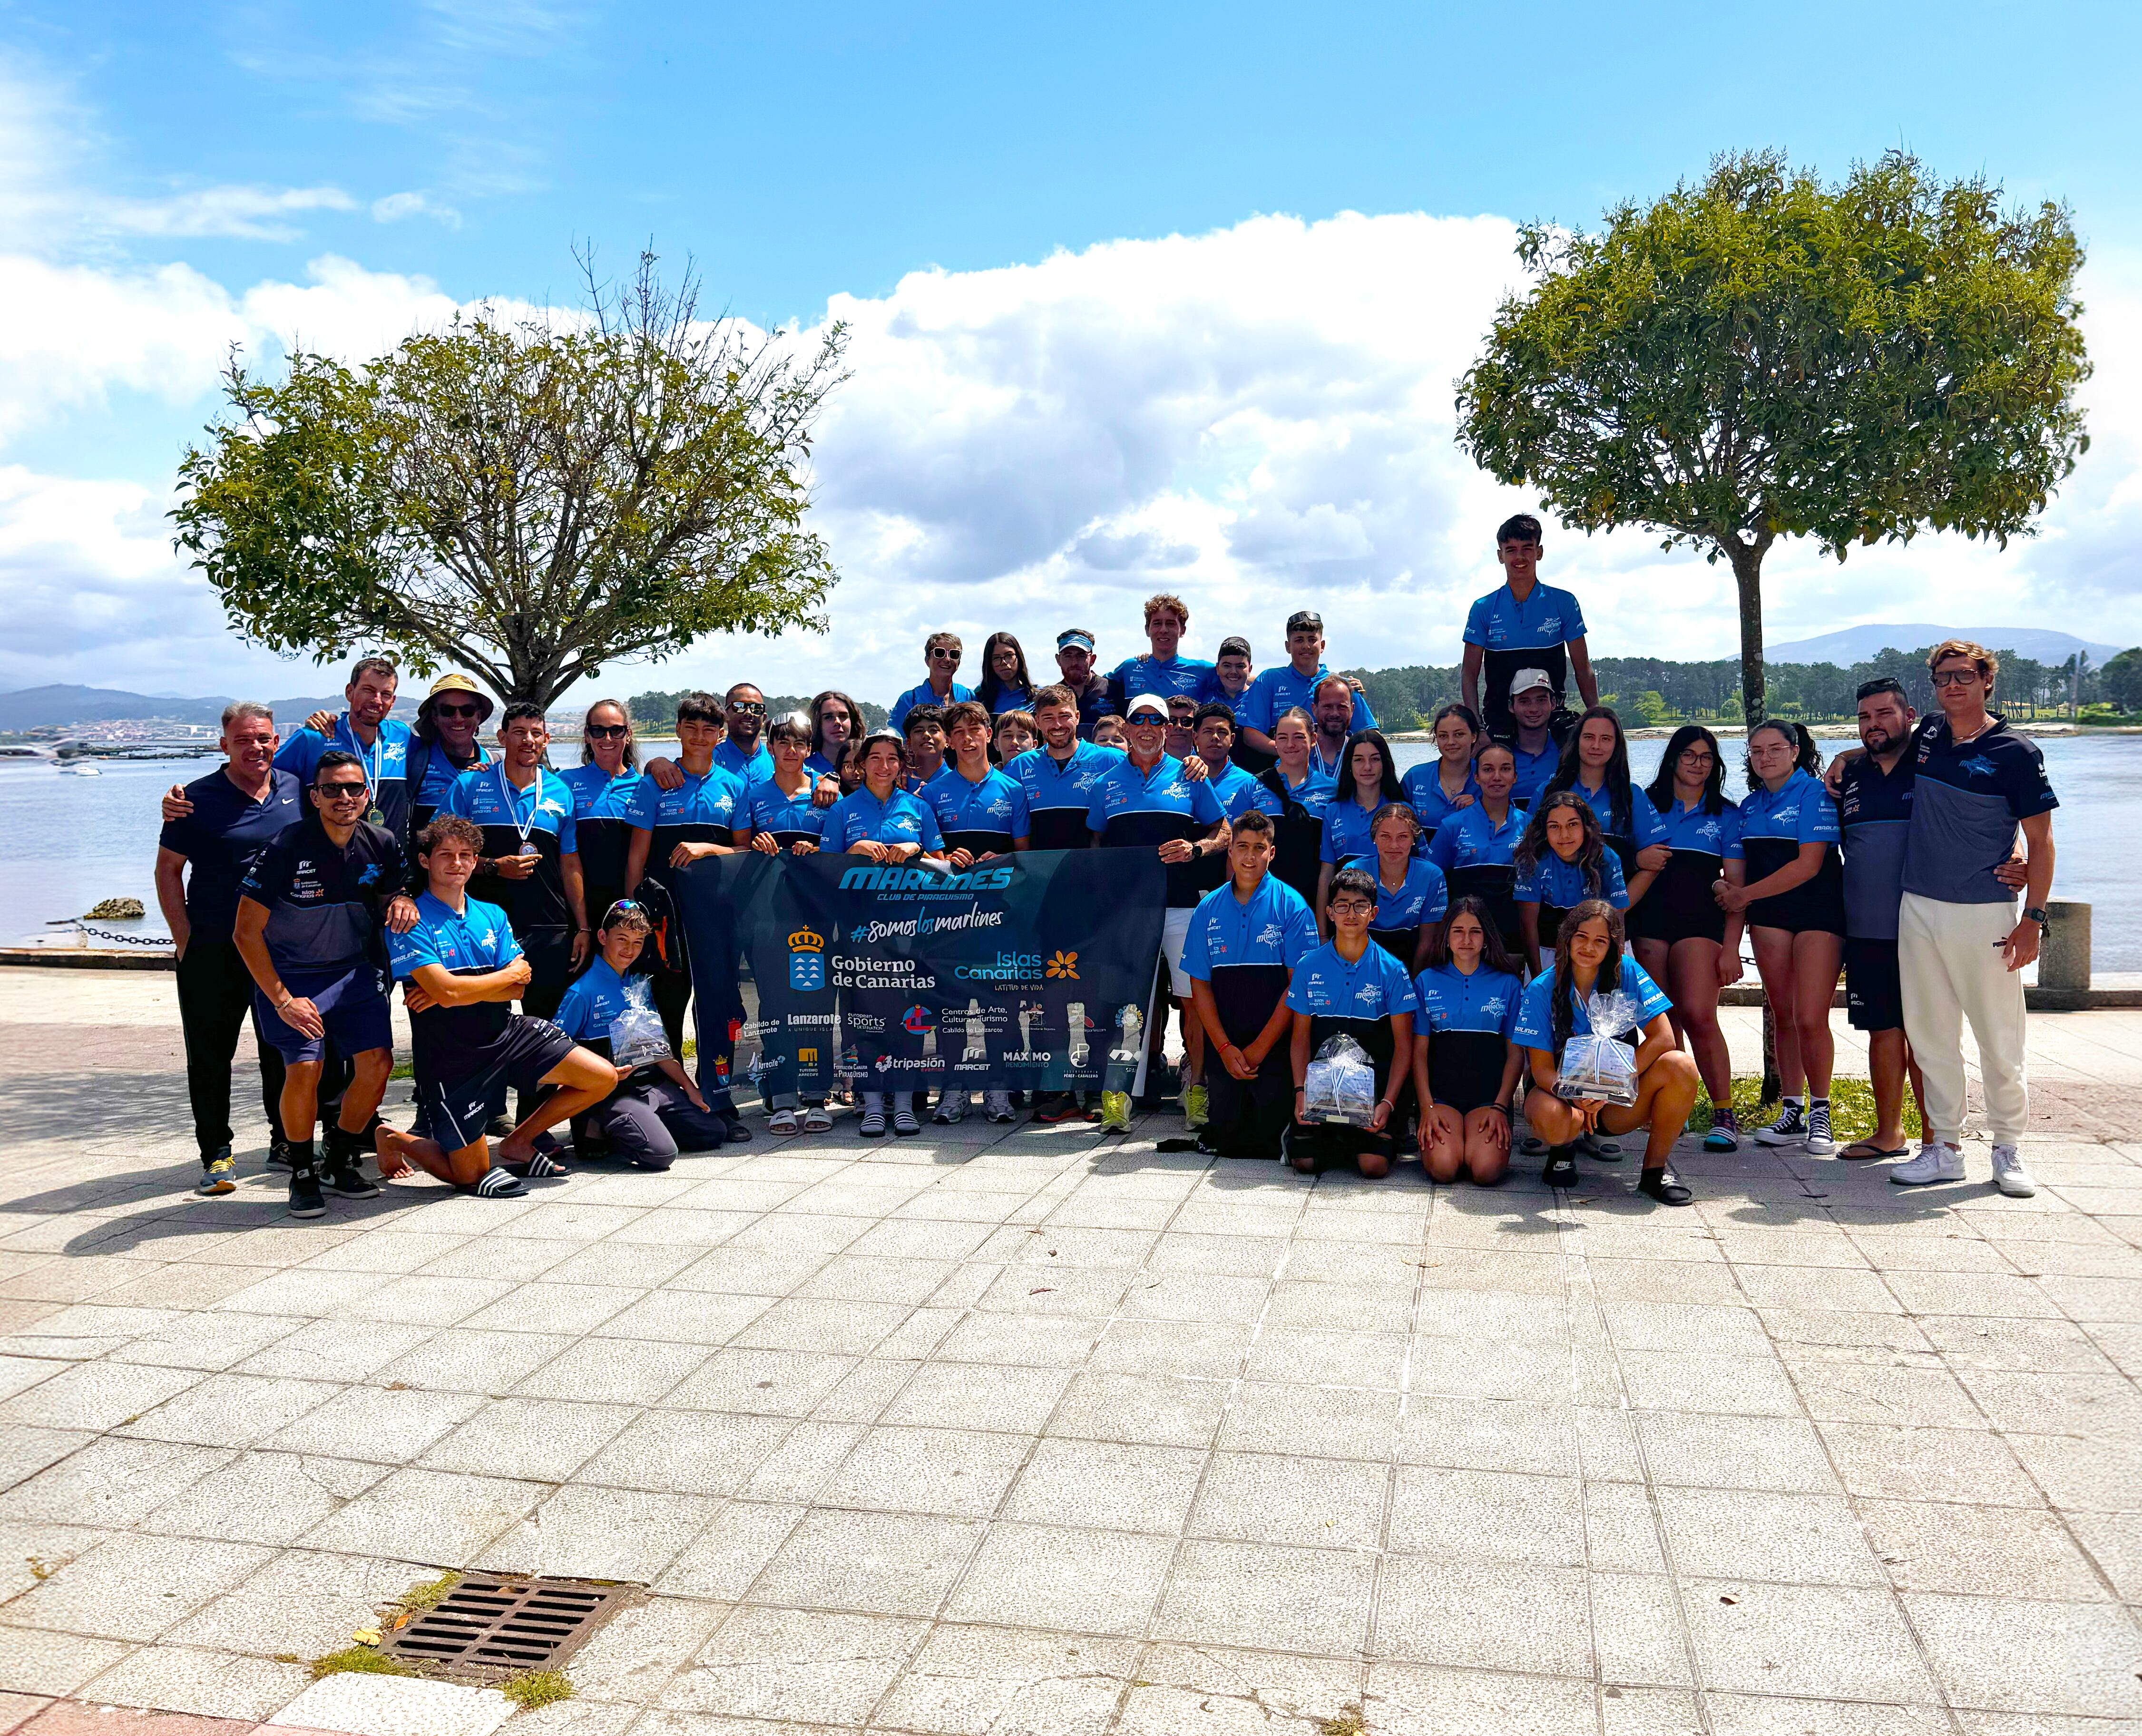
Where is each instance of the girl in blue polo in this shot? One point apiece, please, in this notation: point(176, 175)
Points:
point(1410, 893)
point(1367, 780)
point(1562, 859)
point(1476, 847)
point(1465, 1068)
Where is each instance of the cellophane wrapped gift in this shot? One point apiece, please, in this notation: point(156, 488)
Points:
point(1597, 1065)
point(1342, 1084)
point(636, 1036)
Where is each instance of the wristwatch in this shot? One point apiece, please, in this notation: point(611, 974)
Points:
point(2037, 913)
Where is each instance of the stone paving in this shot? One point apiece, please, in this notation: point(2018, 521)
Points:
point(1000, 1432)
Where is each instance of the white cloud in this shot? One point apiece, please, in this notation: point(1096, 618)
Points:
point(243, 213)
point(395, 206)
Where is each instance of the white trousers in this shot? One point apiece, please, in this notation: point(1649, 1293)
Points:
point(1949, 958)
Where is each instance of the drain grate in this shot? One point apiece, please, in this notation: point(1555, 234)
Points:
point(491, 1623)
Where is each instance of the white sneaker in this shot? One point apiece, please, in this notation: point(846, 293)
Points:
point(998, 1103)
point(2010, 1176)
point(951, 1108)
point(1934, 1163)
point(1820, 1144)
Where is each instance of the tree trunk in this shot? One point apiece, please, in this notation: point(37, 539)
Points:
point(1747, 577)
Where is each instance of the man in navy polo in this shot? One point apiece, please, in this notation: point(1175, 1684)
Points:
point(1086, 685)
point(232, 815)
point(1244, 940)
point(1293, 683)
point(1523, 625)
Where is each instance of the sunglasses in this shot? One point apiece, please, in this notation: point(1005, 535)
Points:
point(749, 708)
point(341, 791)
point(941, 655)
point(608, 732)
point(1953, 678)
point(456, 710)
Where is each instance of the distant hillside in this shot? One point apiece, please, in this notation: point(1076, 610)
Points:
point(59, 706)
point(1858, 644)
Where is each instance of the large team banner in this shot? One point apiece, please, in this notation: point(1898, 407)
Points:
point(1030, 972)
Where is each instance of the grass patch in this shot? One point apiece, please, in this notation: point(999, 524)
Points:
point(1851, 1108)
point(534, 1687)
point(403, 1070)
point(1345, 1722)
point(427, 1593)
point(359, 1660)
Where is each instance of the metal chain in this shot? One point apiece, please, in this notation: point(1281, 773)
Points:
point(105, 934)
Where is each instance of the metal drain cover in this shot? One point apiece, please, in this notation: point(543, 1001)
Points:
point(492, 1623)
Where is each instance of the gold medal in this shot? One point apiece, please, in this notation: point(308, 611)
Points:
point(375, 817)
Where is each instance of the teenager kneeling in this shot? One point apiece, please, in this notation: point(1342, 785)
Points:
point(1591, 954)
point(459, 967)
point(1350, 987)
point(1466, 1071)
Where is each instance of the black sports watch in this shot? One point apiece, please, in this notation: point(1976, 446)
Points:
point(2038, 914)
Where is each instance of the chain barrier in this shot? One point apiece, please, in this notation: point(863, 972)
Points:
point(111, 934)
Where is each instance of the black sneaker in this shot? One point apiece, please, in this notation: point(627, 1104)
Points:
point(1561, 1170)
point(218, 1174)
point(346, 1178)
point(305, 1198)
point(1665, 1186)
point(278, 1154)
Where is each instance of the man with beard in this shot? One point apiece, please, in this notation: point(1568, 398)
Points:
point(1086, 685)
point(1332, 705)
point(743, 754)
point(445, 746)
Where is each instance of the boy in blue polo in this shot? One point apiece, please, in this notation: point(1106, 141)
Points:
point(1523, 624)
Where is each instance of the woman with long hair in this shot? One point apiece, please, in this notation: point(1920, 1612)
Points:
point(1793, 899)
point(1562, 860)
point(1368, 778)
point(1410, 893)
point(1477, 847)
point(1595, 763)
point(1465, 1068)
point(1440, 786)
point(1591, 954)
point(1304, 793)
point(1684, 939)
point(835, 721)
point(1005, 685)
point(851, 765)
point(610, 798)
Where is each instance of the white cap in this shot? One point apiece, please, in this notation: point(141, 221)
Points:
point(1146, 701)
point(1525, 680)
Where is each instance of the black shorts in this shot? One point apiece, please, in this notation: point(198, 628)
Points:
point(458, 1111)
point(1873, 992)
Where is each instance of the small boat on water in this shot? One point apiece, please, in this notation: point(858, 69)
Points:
point(79, 768)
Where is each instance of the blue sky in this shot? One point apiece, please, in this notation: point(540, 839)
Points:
point(1004, 180)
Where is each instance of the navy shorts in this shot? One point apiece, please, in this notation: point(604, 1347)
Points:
point(353, 1007)
point(458, 1111)
point(1874, 991)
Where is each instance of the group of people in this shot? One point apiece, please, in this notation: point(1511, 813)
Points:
point(1460, 922)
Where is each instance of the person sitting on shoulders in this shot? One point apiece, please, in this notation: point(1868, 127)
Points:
point(1350, 987)
point(1590, 955)
point(1562, 860)
point(460, 967)
point(941, 652)
point(656, 1110)
point(1005, 685)
point(1465, 1069)
point(1411, 891)
point(1245, 938)
point(1439, 787)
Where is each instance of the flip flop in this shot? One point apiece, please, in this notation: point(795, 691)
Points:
point(1866, 1148)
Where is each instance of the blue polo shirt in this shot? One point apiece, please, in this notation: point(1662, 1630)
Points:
point(1422, 900)
point(592, 1005)
point(1129, 808)
point(759, 769)
point(1058, 793)
point(1562, 885)
point(386, 764)
point(987, 816)
point(1374, 986)
point(818, 766)
point(1238, 792)
point(922, 693)
point(1010, 698)
point(1499, 622)
point(1285, 689)
point(1535, 1027)
point(222, 838)
point(1451, 1001)
point(1799, 811)
point(1692, 830)
point(792, 819)
point(900, 819)
point(628, 797)
point(702, 809)
point(1468, 839)
point(1135, 676)
point(1274, 927)
point(491, 798)
point(1643, 826)
point(1423, 786)
point(435, 776)
point(454, 1043)
point(1964, 805)
point(1349, 829)
point(1535, 771)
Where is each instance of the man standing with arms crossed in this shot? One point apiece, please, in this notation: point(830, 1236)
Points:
point(231, 816)
point(1960, 949)
point(1522, 625)
point(307, 927)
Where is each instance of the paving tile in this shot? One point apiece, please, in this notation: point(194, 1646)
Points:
point(1089, 1291)
point(852, 1328)
point(584, 1532)
point(335, 1349)
point(1489, 1434)
point(2083, 1658)
point(466, 1361)
point(1254, 1497)
point(1621, 1529)
point(231, 1410)
point(971, 1681)
point(611, 1371)
point(1816, 1640)
point(1806, 1539)
point(1841, 1387)
point(2101, 1476)
point(1107, 1485)
point(1979, 1293)
point(263, 1497)
point(1041, 1576)
point(1013, 1400)
point(1637, 1630)
point(686, 1452)
point(546, 1439)
point(960, 1472)
point(2057, 1345)
point(1413, 1699)
point(2102, 1406)
point(376, 1423)
point(134, 1587)
point(2114, 1543)
point(1330, 1422)
point(632, 1656)
point(731, 1550)
point(16, 1708)
point(684, 1317)
point(2009, 1553)
point(306, 1291)
point(96, 1395)
point(112, 1482)
point(1158, 1410)
point(887, 1564)
point(1494, 1317)
point(1741, 1714)
point(1927, 1464)
point(1262, 1594)
point(870, 1278)
point(370, 1705)
point(804, 1463)
point(426, 1516)
point(203, 1693)
point(795, 1663)
point(862, 1393)
point(1483, 1614)
point(544, 1306)
point(1684, 1380)
point(36, 1661)
point(31, 1551)
point(306, 1602)
point(763, 1383)
point(1196, 1349)
point(510, 1257)
point(1487, 1515)
point(1682, 1327)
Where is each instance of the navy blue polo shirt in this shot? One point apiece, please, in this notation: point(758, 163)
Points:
point(323, 899)
point(1274, 927)
point(1499, 622)
point(1535, 771)
point(1276, 691)
point(792, 820)
point(1874, 813)
point(1423, 785)
point(1562, 885)
point(1965, 807)
point(1422, 899)
point(1469, 839)
point(1451, 1001)
point(1130, 807)
point(985, 816)
point(1058, 793)
point(922, 693)
point(900, 819)
point(1374, 986)
point(223, 837)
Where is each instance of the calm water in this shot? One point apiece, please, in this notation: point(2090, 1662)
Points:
point(70, 842)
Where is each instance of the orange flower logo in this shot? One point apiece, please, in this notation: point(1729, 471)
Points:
point(1063, 964)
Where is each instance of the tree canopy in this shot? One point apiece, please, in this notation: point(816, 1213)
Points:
point(1758, 356)
point(527, 500)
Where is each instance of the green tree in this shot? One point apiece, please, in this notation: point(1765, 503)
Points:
point(1758, 356)
point(529, 501)
point(1652, 708)
point(2120, 679)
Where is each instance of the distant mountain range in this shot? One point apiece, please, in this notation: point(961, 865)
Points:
point(58, 706)
point(1850, 645)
